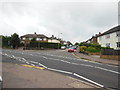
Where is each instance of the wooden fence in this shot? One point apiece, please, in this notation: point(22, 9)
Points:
point(110, 54)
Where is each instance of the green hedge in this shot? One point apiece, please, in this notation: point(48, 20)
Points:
point(93, 49)
point(36, 44)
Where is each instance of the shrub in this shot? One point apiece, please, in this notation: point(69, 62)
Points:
point(106, 48)
point(82, 48)
point(93, 49)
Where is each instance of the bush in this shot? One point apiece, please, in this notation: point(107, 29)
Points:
point(82, 48)
point(106, 48)
point(92, 49)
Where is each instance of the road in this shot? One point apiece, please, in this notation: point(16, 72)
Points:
point(102, 75)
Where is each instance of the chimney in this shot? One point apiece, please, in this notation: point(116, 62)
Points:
point(52, 36)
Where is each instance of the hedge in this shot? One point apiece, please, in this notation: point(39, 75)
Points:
point(36, 44)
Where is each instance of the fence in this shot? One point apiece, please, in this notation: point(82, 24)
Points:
point(110, 52)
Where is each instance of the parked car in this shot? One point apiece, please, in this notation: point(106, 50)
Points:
point(63, 47)
point(1, 83)
point(74, 47)
point(70, 50)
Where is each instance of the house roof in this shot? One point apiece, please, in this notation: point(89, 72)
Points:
point(34, 36)
point(115, 29)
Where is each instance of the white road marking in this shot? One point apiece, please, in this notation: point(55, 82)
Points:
point(44, 57)
point(88, 80)
point(107, 70)
point(43, 65)
point(27, 62)
point(59, 70)
point(31, 54)
point(66, 62)
point(19, 59)
point(32, 64)
point(86, 65)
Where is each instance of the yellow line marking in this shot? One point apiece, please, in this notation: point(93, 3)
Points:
point(25, 65)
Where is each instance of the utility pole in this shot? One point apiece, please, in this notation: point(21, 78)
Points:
point(58, 39)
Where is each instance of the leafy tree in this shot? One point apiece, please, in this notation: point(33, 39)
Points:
point(69, 43)
point(33, 40)
point(6, 41)
point(15, 41)
point(76, 43)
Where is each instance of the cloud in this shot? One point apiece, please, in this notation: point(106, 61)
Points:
point(77, 21)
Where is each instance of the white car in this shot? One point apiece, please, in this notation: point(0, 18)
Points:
point(63, 47)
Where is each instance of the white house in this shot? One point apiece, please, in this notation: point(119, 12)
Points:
point(110, 38)
point(53, 39)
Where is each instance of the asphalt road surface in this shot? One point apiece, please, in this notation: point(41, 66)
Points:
point(102, 75)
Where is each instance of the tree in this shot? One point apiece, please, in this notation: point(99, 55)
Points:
point(15, 41)
point(69, 43)
point(6, 41)
point(76, 43)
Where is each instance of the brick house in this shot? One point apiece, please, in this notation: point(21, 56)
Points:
point(94, 39)
point(25, 39)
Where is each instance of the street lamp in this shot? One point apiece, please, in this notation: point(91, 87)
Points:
point(58, 39)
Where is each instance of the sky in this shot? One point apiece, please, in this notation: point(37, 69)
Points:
point(71, 20)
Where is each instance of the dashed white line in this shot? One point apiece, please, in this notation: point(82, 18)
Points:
point(59, 70)
point(107, 70)
point(27, 62)
point(42, 65)
point(32, 64)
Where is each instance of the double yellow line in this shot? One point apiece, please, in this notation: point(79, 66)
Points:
point(30, 66)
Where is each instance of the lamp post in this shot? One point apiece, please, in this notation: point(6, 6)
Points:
point(59, 39)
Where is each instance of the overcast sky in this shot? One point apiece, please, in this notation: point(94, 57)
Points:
point(77, 20)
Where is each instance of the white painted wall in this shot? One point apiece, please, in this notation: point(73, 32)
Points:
point(112, 40)
point(53, 41)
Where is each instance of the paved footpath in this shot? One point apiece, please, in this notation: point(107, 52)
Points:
point(17, 76)
point(96, 59)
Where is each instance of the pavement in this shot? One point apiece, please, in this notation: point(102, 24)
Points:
point(18, 76)
point(96, 58)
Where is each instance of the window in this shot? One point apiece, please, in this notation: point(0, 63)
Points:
point(118, 44)
point(100, 38)
point(44, 39)
point(107, 44)
point(37, 39)
point(118, 34)
point(24, 38)
point(108, 36)
point(30, 38)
